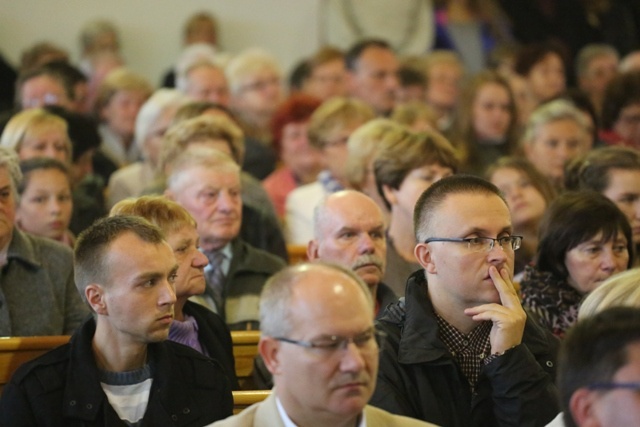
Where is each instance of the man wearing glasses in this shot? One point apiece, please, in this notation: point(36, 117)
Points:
point(319, 342)
point(461, 350)
point(599, 370)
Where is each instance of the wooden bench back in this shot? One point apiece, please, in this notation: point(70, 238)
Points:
point(14, 351)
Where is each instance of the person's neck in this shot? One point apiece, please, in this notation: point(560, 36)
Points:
point(451, 311)
point(113, 354)
point(178, 308)
point(404, 241)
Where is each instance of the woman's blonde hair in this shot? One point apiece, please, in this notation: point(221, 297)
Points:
point(25, 123)
point(622, 289)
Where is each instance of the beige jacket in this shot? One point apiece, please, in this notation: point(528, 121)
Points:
point(265, 414)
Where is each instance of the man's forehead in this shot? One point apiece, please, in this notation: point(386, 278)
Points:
point(473, 204)
point(343, 214)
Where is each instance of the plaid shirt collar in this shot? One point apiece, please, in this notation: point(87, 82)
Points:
point(470, 350)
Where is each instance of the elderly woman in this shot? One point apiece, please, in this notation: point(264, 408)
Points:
point(403, 170)
point(556, 133)
point(330, 127)
point(120, 97)
point(301, 163)
point(613, 172)
point(528, 194)
point(153, 120)
point(194, 325)
point(363, 147)
point(38, 293)
point(37, 133)
point(255, 80)
point(584, 239)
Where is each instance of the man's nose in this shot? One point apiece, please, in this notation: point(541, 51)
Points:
point(352, 359)
point(366, 244)
point(168, 293)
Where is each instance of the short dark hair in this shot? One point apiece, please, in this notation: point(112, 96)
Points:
point(574, 218)
point(429, 201)
point(594, 350)
point(410, 76)
point(299, 75)
point(591, 171)
point(54, 71)
point(530, 55)
point(353, 54)
point(622, 91)
point(40, 163)
point(92, 244)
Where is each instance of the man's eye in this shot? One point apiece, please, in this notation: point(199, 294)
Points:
point(327, 345)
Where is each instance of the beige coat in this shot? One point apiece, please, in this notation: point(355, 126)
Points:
point(265, 414)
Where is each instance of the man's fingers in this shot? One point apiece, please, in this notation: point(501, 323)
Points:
point(503, 284)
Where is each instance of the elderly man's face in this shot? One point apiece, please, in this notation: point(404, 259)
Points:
point(326, 384)
point(212, 197)
point(259, 93)
point(375, 79)
point(208, 83)
point(7, 207)
point(352, 235)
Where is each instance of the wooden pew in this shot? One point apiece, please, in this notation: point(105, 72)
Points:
point(245, 349)
point(14, 351)
point(297, 254)
point(246, 398)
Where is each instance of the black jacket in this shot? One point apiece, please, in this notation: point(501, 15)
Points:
point(215, 338)
point(61, 388)
point(419, 378)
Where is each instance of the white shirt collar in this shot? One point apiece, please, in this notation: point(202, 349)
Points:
point(288, 423)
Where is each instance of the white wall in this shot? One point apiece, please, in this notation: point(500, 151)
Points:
point(151, 29)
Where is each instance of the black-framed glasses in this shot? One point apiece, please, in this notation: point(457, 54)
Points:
point(483, 244)
point(633, 386)
point(370, 340)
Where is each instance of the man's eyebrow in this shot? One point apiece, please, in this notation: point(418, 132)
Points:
point(485, 232)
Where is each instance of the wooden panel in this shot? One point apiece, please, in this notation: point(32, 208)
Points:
point(297, 254)
point(243, 399)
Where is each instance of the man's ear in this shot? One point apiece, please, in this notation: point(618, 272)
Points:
point(389, 194)
point(582, 405)
point(423, 254)
point(269, 349)
point(96, 298)
point(312, 250)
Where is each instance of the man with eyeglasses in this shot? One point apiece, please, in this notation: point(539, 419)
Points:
point(599, 370)
point(319, 342)
point(461, 351)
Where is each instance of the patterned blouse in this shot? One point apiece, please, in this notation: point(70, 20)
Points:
point(552, 301)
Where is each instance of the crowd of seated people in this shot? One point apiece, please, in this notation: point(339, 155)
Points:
point(481, 190)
